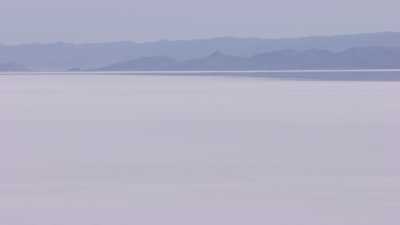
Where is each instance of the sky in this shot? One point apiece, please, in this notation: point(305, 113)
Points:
point(24, 21)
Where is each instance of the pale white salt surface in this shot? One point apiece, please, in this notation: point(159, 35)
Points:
point(119, 150)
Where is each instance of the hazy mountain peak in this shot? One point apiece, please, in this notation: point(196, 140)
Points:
point(62, 56)
point(217, 53)
point(353, 58)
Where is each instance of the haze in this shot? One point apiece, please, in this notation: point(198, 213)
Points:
point(147, 20)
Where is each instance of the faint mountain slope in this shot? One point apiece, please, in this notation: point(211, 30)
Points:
point(145, 63)
point(371, 57)
point(353, 58)
point(62, 56)
point(215, 61)
point(8, 67)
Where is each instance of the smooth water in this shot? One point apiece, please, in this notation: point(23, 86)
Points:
point(110, 149)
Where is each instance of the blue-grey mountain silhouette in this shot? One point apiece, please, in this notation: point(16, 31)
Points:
point(11, 66)
point(63, 56)
point(145, 63)
point(353, 58)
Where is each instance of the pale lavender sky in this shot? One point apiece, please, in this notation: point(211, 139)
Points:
point(140, 20)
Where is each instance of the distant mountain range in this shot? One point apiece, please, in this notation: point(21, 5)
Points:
point(346, 50)
point(354, 58)
point(5, 67)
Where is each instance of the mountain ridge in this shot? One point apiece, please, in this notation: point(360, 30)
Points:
point(12, 67)
point(374, 57)
point(60, 56)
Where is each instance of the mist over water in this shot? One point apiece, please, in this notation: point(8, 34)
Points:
point(112, 149)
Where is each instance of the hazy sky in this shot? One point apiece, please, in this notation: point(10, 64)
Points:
point(140, 20)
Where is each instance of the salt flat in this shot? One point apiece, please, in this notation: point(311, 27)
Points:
point(109, 149)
